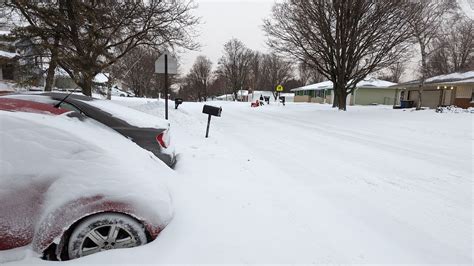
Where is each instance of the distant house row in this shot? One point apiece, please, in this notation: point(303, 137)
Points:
point(452, 89)
point(367, 92)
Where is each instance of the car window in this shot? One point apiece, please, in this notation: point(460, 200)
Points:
point(69, 107)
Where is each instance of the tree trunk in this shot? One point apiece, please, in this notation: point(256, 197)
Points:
point(50, 75)
point(342, 101)
point(424, 74)
point(335, 100)
point(86, 85)
point(53, 64)
point(340, 96)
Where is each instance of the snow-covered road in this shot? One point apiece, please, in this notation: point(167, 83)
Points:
point(304, 183)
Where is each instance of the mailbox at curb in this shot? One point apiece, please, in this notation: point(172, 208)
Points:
point(177, 102)
point(211, 111)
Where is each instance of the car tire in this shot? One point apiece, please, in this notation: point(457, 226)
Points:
point(105, 231)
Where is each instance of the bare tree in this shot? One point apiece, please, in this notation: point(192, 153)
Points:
point(93, 35)
point(425, 25)
point(137, 70)
point(343, 40)
point(217, 86)
point(308, 74)
point(454, 49)
point(234, 65)
point(394, 72)
point(277, 70)
point(200, 75)
point(255, 75)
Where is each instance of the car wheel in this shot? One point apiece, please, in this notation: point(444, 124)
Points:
point(103, 232)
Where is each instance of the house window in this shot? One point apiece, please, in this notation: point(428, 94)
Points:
point(319, 93)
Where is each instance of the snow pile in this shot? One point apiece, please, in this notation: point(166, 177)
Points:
point(454, 109)
point(72, 159)
point(7, 86)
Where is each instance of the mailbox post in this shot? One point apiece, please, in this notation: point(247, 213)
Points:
point(211, 111)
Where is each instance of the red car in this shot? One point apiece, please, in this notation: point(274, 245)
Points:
point(66, 188)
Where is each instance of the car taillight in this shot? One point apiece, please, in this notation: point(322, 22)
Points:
point(163, 139)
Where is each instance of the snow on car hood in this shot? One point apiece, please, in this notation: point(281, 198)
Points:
point(80, 159)
point(131, 116)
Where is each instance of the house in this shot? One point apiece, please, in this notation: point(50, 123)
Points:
point(367, 92)
point(8, 57)
point(8, 64)
point(451, 89)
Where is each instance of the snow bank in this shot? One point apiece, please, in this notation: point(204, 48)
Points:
point(7, 86)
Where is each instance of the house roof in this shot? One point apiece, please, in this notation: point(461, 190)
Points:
point(314, 87)
point(101, 78)
point(453, 78)
point(366, 83)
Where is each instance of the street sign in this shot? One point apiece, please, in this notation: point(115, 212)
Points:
point(172, 64)
point(279, 88)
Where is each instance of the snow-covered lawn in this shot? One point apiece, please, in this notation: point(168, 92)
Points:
point(304, 183)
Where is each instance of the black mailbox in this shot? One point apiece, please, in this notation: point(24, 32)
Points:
point(267, 99)
point(282, 99)
point(177, 102)
point(212, 110)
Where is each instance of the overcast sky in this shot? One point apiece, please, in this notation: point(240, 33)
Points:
point(226, 19)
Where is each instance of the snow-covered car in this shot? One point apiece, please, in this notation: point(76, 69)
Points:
point(67, 188)
point(147, 131)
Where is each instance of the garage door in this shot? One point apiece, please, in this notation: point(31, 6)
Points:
point(429, 98)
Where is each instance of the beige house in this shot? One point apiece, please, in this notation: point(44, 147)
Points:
point(370, 91)
point(451, 89)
